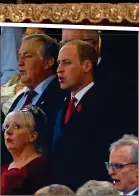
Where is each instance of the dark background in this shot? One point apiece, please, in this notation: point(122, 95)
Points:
point(117, 78)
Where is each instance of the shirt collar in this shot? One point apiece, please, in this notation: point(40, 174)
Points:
point(81, 93)
point(130, 193)
point(40, 88)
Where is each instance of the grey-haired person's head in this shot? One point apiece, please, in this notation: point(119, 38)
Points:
point(55, 189)
point(37, 59)
point(49, 47)
point(127, 140)
point(96, 188)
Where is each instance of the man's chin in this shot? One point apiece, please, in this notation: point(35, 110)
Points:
point(24, 81)
point(64, 87)
point(118, 187)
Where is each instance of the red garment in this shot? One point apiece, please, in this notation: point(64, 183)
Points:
point(27, 180)
point(71, 108)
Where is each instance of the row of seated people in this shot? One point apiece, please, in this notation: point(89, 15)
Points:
point(30, 169)
point(91, 187)
point(81, 126)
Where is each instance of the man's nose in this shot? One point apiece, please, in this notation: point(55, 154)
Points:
point(20, 61)
point(111, 171)
point(60, 68)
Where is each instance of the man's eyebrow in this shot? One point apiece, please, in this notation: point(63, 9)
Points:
point(27, 52)
point(63, 60)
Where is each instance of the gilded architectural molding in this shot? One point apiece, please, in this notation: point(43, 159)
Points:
point(74, 13)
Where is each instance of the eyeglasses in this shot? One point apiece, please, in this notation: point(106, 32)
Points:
point(62, 43)
point(116, 166)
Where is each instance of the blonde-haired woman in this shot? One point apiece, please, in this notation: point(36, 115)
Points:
point(24, 139)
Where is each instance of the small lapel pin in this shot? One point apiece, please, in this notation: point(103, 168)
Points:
point(79, 108)
point(42, 102)
point(65, 99)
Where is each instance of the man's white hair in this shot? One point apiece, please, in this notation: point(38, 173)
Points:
point(127, 140)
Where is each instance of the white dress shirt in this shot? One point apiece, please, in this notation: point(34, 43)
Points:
point(130, 193)
point(81, 93)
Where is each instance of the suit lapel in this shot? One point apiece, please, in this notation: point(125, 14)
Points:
point(136, 192)
point(59, 124)
point(64, 109)
point(15, 102)
point(84, 104)
point(47, 93)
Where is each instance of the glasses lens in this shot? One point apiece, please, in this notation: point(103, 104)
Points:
point(107, 165)
point(114, 166)
point(118, 166)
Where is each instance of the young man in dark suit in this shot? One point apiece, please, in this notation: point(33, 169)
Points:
point(80, 137)
point(37, 62)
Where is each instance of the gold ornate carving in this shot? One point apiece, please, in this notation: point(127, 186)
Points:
point(74, 13)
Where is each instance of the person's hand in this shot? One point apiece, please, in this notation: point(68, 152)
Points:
point(12, 179)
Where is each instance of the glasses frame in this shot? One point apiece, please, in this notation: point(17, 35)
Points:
point(116, 166)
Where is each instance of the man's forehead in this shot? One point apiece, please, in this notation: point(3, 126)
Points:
point(68, 50)
point(29, 41)
point(123, 151)
point(69, 47)
point(28, 45)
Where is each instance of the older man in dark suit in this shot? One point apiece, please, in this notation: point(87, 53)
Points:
point(37, 62)
point(123, 164)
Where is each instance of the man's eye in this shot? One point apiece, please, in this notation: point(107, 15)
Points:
point(28, 56)
point(118, 165)
point(25, 56)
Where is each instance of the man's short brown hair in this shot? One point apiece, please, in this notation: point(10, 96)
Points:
point(86, 51)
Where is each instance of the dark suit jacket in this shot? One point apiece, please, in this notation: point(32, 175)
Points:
point(136, 192)
point(50, 101)
point(80, 147)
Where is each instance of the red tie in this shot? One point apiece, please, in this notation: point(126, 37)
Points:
point(30, 95)
point(71, 108)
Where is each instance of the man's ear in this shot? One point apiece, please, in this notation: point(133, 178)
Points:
point(33, 137)
point(49, 63)
point(87, 66)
